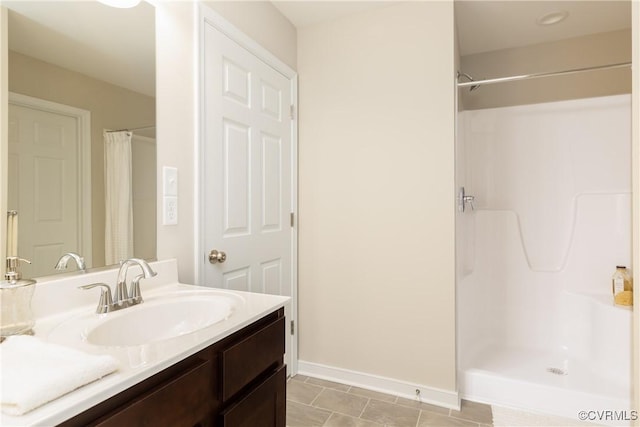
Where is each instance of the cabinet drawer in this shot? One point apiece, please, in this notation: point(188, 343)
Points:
point(244, 361)
point(181, 401)
point(264, 406)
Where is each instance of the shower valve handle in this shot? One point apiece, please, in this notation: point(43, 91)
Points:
point(469, 200)
point(463, 199)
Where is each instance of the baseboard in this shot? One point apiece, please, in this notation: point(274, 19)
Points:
point(434, 396)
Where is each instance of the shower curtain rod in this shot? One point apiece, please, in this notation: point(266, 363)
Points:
point(131, 130)
point(538, 75)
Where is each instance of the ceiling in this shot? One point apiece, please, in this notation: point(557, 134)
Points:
point(491, 25)
point(304, 13)
point(118, 45)
point(488, 25)
point(106, 43)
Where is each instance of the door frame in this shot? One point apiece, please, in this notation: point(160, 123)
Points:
point(207, 16)
point(83, 129)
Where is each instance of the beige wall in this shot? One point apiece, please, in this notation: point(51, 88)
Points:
point(635, 150)
point(111, 107)
point(579, 52)
point(261, 21)
point(4, 131)
point(143, 155)
point(177, 95)
point(376, 153)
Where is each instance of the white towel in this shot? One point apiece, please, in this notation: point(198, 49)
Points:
point(34, 372)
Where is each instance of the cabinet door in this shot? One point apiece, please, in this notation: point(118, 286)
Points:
point(183, 401)
point(248, 359)
point(264, 406)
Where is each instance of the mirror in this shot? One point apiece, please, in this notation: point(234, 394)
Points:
point(76, 69)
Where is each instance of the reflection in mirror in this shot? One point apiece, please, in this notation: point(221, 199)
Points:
point(77, 69)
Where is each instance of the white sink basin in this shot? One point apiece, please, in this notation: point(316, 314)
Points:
point(156, 319)
point(159, 320)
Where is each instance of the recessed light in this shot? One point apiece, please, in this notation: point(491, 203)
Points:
point(552, 17)
point(120, 4)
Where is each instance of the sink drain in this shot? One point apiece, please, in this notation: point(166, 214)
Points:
point(557, 371)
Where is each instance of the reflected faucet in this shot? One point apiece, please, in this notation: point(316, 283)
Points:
point(122, 298)
point(64, 259)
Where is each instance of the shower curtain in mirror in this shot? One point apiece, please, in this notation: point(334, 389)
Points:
point(118, 197)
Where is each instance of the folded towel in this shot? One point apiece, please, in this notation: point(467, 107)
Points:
point(34, 372)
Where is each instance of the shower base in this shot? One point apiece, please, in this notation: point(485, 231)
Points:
point(544, 382)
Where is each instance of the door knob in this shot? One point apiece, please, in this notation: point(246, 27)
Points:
point(217, 256)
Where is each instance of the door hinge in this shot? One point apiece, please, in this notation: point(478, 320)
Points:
point(291, 219)
point(292, 111)
point(293, 328)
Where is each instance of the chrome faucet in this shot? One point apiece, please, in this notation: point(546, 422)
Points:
point(64, 259)
point(122, 298)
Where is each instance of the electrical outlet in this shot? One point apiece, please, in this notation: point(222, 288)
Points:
point(169, 210)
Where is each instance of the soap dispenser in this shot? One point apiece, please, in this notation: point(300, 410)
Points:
point(622, 284)
point(16, 317)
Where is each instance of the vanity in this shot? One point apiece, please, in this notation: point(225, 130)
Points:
point(219, 371)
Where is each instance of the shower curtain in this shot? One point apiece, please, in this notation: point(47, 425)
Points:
point(118, 197)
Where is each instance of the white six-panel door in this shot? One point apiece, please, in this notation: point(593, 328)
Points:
point(45, 181)
point(247, 170)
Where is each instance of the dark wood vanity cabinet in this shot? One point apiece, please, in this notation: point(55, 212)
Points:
point(239, 381)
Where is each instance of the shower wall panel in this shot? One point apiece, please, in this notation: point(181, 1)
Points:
point(538, 160)
point(552, 189)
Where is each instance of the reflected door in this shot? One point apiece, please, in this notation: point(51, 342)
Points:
point(44, 186)
point(247, 171)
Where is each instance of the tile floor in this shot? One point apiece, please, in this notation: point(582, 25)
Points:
point(313, 402)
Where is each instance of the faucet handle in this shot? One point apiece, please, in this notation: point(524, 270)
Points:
point(122, 295)
point(105, 304)
point(136, 296)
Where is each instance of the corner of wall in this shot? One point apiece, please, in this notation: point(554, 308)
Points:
point(635, 155)
point(177, 124)
point(456, 58)
point(4, 132)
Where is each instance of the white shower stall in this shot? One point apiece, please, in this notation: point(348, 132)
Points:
point(551, 220)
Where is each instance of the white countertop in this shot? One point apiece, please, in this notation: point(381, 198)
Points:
point(57, 301)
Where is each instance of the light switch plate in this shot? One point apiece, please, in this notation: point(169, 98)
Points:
point(169, 181)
